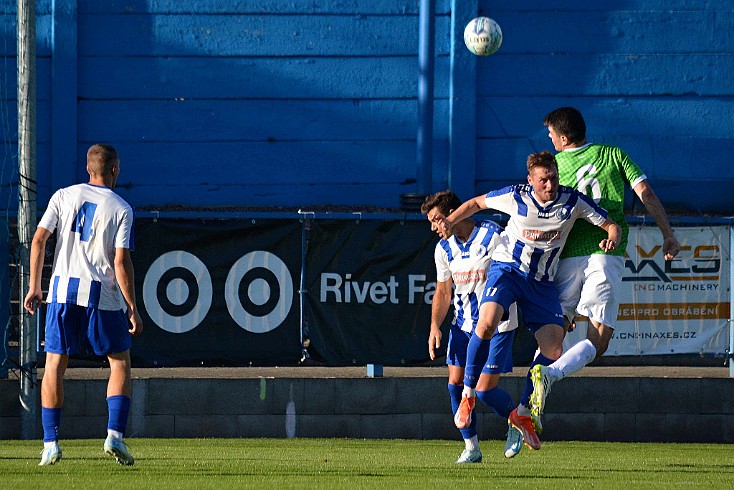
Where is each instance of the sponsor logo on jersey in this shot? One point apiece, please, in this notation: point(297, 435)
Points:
point(540, 235)
point(469, 277)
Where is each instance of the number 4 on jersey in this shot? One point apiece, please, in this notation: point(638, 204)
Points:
point(83, 222)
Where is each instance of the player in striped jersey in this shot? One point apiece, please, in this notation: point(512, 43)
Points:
point(462, 260)
point(91, 298)
point(589, 282)
point(523, 266)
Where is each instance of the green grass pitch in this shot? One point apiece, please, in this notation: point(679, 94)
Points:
point(354, 463)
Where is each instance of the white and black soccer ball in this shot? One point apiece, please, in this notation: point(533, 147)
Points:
point(483, 36)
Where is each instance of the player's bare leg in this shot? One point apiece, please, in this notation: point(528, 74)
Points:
point(550, 340)
point(52, 385)
point(599, 335)
point(487, 382)
point(52, 399)
point(490, 315)
point(120, 374)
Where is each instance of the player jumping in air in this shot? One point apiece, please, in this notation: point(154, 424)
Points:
point(589, 281)
point(522, 271)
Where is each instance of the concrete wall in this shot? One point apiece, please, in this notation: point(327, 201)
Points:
point(580, 408)
point(297, 104)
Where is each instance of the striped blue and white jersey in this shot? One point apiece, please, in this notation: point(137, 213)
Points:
point(91, 222)
point(466, 264)
point(535, 233)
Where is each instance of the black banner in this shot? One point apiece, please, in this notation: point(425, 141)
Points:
point(369, 291)
point(218, 292)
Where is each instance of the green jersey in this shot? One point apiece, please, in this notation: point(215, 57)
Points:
point(600, 172)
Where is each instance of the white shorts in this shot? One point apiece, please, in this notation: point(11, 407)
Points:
point(590, 286)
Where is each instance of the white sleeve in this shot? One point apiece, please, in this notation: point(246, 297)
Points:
point(123, 237)
point(50, 218)
point(501, 200)
point(589, 211)
point(443, 273)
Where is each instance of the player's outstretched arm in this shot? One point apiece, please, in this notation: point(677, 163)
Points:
point(125, 275)
point(650, 200)
point(439, 309)
point(614, 235)
point(464, 211)
point(38, 252)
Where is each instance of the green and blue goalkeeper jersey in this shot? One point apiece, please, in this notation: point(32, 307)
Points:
point(600, 172)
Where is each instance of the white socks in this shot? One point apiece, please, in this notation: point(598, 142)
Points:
point(114, 434)
point(472, 444)
point(469, 392)
point(573, 360)
point(523, 411)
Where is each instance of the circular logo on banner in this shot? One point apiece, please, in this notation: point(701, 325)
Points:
point(177, 291)
point(259, 291)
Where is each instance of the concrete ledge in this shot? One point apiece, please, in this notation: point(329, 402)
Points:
point(632, 409)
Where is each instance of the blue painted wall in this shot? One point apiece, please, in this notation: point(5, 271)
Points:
point(298, 104)
point(655, 77)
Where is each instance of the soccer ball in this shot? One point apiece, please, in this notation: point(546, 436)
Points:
point(483, 36)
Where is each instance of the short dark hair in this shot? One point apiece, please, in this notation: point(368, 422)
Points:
point(445, 201)
point(568, 122)
point(544, 159)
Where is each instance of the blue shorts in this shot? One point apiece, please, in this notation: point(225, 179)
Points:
point(537, 300)
point(500, 351)
point(72, 329)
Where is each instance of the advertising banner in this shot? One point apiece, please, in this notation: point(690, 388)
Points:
point(370, 286)
point(226, 292)
point(672, 307)
point(218, 292)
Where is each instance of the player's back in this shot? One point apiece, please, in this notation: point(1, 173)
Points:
point(91, 222)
